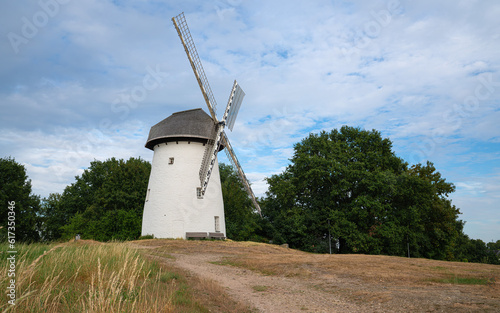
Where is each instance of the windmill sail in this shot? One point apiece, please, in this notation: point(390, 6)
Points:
point(235, 99)
point(228, 118)
point(232, 157)
point(188, 43)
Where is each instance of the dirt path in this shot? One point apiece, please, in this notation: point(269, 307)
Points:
point(265, 293)
point(274, 279)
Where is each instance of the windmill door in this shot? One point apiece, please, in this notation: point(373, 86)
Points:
point(217, 224)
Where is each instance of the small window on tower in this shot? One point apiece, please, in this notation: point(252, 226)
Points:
point(147, 194)
point(171, 161)
point(198, 193)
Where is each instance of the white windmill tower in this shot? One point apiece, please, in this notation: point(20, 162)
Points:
point(180, 201)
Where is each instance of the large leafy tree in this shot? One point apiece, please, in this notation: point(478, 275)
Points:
point(15, 186)
point(338, 183)
point(349, 184)
point(106, 202)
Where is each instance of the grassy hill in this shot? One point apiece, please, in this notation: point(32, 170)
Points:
point(142, 276)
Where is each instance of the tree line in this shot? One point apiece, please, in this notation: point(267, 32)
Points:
point(344, 191)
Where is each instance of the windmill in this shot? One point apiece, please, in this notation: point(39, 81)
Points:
point(184, 196)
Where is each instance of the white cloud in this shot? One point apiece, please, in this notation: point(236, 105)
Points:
point(53, 160)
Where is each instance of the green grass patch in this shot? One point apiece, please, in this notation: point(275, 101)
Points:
point(456, 280)
point(168, 276)
point(260, 288)
point(227, 261)
point(231, 262)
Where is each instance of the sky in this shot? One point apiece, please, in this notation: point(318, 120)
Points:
point(85, 80)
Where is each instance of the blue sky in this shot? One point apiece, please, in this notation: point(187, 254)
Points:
point(85, 80)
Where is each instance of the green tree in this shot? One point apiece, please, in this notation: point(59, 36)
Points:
point(52, 217)
point(475, 250)
point(350, 184)
point(478, 252)
point(494, 252)
point(286, 219)
point(242, 222)
point(339, 182)
point(494, 245)
point(15, 186)
point(437, 232)
point(106, 202)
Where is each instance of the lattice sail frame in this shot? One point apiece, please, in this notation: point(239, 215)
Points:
point(232, 108)
point(188, 43)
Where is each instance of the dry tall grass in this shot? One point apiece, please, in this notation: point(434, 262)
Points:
point(83, 277)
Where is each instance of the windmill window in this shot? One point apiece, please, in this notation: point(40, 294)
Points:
point(171, 161)
point(198, 193)
point(147, 194)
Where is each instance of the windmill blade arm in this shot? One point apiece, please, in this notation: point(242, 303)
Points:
point(232, 157)
point(188, 43)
